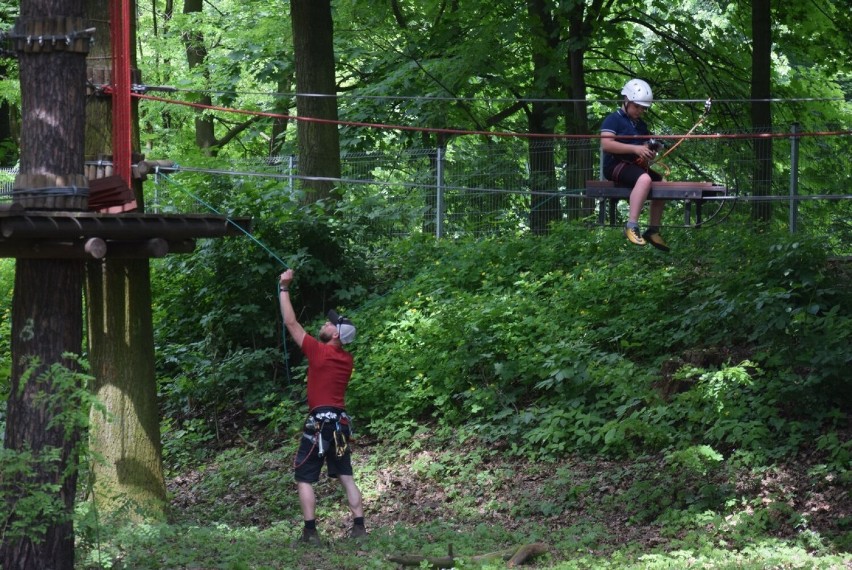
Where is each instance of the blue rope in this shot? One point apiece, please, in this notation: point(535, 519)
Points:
point(228, 219)
point(256, 241)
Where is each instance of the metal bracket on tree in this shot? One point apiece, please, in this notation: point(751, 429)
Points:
point(51, 191)
point(46, 35)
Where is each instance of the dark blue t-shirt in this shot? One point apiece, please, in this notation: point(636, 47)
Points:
point(619, 124)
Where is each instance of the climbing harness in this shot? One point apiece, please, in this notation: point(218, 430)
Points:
point(316, 424)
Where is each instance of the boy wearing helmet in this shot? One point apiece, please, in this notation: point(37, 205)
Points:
point(624, 157)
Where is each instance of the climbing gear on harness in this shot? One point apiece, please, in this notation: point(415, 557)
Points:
point(341, 446)
point(318, 421)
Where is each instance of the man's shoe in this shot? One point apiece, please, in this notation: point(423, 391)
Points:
point(655, 239)
point(632, 235)
point(358, 531)
point(310, 537)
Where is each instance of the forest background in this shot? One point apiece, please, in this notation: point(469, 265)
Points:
point(532, 379)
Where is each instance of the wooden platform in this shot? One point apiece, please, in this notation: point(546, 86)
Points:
point(89, 235)
point(690, 192)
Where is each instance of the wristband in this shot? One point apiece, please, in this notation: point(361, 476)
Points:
point(282, 289)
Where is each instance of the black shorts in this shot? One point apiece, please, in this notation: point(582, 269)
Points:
point(309, 462)
point(627, 173)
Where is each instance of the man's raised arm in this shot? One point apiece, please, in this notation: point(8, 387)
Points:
point(293, 326)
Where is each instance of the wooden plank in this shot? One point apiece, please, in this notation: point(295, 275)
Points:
point(659, 190)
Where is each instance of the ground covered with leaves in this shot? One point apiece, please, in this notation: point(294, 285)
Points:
point(436, 496)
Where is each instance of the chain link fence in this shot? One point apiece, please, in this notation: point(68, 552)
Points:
point(477, 187)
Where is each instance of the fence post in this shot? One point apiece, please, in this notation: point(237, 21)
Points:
point(439, 199)
point(290, 160)
point(794, 178)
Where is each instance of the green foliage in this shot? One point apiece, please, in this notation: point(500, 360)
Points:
point(527, 341)
point(7, 281)
point(220, 339)
point(240, 510)
point(30, 480)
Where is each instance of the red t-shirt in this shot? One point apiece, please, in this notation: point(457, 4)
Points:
point(329, 371)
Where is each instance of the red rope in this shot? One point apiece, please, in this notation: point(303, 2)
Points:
point(121, 96)
point(483, 133)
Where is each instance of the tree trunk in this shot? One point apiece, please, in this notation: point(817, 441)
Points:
point(196, 54)
point(542, 118)
point(580, 152)
point(47, 304)
point(121, 346)
point(46, 323)
point(319, 142)
point(761, 112)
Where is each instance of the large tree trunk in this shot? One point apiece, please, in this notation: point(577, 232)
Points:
point(47, 304)
point(121, 345)
point(761, 112)
point(580, 153)
point(319, 142)
point(196, 54)
point(542, 118)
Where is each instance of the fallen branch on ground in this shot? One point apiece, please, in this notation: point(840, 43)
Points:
point(515, 556)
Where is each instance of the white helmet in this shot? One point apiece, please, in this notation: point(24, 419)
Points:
point(639, 92)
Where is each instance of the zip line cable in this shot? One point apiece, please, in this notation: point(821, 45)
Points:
point(468, 132)
point(355, 96)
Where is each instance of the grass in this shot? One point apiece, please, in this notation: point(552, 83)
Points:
point(240, 511)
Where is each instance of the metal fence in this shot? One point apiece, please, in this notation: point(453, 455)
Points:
point(477, 187)
point(484, 188)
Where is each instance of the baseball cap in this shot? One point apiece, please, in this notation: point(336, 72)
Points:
point(345, 328)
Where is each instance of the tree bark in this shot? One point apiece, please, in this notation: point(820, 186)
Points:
point(46, 323)
point(580, 153)
point(542, 118)
point(121, 345)
point(319, 142)
point(47, 303)
point(196, 54)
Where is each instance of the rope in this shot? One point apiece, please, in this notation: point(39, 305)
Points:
point(257, 242)
point(460, 131)
point(227, 218)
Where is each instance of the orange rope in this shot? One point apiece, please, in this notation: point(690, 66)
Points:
point(468, 132)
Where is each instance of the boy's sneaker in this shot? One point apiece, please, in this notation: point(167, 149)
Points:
point(632, 235)
point(309, 537)
point(655, 239)
point(358, 531)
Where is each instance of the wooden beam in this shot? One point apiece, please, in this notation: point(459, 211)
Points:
point(154, 247)
point(72, 225)
point(90, 248)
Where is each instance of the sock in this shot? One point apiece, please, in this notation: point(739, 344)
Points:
point(653, 229)
point(311, 524)
point(631, 224)
point(359, 521)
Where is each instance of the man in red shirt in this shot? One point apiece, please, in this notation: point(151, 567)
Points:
point(326, 435)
